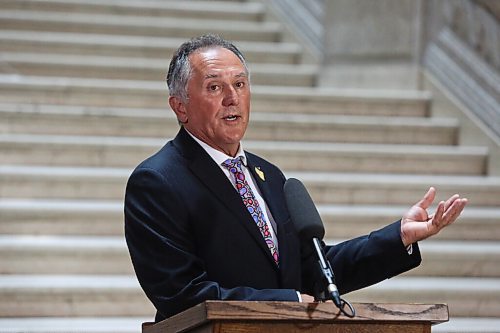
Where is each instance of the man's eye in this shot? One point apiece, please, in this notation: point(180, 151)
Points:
point(240, 84)
point(213, 87)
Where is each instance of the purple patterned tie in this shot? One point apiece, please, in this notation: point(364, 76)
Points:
point(234, 167)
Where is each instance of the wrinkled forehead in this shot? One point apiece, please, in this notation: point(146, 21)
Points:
point(215, 58)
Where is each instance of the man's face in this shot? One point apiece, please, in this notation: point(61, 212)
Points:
point(218, 105)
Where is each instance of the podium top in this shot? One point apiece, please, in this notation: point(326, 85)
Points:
point(211, 311)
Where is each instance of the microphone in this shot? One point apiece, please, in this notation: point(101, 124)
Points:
point(307, 221)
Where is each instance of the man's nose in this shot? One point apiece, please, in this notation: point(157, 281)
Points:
point(231, 97)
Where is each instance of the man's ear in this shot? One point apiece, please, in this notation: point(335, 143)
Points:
point(178, 106)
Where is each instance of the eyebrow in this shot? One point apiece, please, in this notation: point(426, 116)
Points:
point(214, 76)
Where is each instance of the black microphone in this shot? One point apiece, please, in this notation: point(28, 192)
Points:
point(307, 221)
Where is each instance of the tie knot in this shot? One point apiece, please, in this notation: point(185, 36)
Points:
point(233, 164)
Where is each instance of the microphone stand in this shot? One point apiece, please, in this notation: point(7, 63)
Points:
point(330, 292)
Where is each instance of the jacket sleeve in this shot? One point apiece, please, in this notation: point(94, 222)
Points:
point(364, 261)
point(160, 242)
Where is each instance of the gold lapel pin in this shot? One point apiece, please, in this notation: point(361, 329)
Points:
point(260, 173)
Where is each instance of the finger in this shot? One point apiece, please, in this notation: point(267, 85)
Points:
point(437, 219)
point(450, 201)
point(454, 211)
point(458, 206)
point(427, 199)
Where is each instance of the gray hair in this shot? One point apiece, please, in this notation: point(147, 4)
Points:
point(179, 70)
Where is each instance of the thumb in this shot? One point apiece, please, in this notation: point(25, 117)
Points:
point(427, 199)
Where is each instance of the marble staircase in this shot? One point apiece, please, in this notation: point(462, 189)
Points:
point(83, 100)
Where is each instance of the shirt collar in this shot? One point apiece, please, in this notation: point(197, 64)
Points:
point(218, 156)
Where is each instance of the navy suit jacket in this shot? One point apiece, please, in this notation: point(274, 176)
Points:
point(191, 238)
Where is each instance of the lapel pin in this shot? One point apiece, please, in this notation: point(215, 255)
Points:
point(260, 173)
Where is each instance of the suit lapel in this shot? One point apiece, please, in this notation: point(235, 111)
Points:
point(210, 174)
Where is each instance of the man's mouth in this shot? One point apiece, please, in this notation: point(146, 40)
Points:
point(231, 117)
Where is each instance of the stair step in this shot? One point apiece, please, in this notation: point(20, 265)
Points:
point(60, 150)
point(466, 297)
point(61, 217)
point(352, 129)
point(72, 295)
point(88, 217)
point(60, 182)
point(475, 223)
point(132, 46)
point(243, 11)
point(459, 258)
point(172, 26)
point(391, 189)
point(133, 325)
point(264, 126)
point(22, 254)
point(469, 325)
point(139, 69)
point(145, 94)
point(22, 181)
point(318, 157)
point(73, 325)
point(299, 102)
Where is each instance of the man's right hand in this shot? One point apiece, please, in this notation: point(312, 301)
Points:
point(307, 298)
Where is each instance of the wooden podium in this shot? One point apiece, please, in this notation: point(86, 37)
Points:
point(293, 317)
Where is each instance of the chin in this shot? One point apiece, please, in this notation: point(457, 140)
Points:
point(234, 136)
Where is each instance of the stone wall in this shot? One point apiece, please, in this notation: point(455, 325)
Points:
point(462, 52)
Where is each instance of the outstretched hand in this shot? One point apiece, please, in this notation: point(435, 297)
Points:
point(417, 224)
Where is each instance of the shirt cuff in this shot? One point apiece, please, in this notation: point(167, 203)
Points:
point(409, 249)
point(299, 296)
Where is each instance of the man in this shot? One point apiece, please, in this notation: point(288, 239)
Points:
point(192, 237)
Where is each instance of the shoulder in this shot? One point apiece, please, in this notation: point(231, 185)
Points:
point(174, 153)
point(156, 181)
point(167, 160)
point(162, 157)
